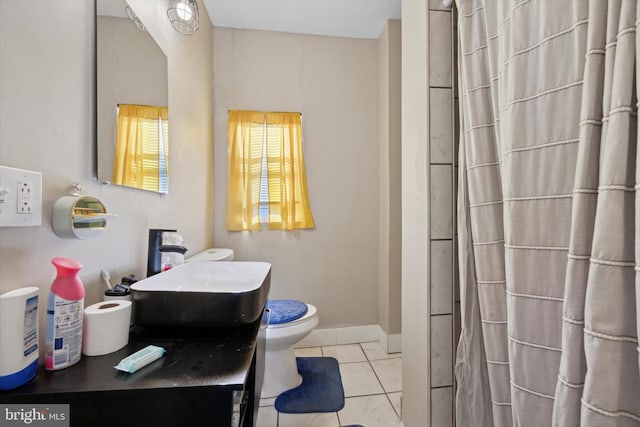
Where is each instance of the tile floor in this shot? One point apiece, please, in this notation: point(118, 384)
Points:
point(372, 382)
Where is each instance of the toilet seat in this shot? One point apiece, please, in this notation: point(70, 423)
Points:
point(285, 310)
point(311, 312)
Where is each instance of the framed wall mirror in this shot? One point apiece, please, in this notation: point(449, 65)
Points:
point(132, 115)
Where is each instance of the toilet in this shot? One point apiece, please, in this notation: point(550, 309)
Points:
point(213, 254)
point(289, 322)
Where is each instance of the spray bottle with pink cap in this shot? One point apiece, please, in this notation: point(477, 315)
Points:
point(65, 310)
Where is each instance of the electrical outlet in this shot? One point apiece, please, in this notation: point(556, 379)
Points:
point(20, 197)
point(24, 198)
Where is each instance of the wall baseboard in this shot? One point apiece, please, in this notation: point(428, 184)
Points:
point(391, 343)
point(352, 335)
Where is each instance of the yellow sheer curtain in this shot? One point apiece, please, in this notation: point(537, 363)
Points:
point(288, 204)
point(289, 207)
point(246, 137)
point(140, 131)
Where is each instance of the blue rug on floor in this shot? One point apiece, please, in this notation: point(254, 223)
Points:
point(321, 389)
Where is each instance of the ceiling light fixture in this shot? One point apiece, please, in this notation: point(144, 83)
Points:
point(183, 15)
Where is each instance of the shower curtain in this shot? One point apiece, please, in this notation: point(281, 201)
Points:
point(549, 213)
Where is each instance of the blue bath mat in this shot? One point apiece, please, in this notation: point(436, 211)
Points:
point(321, 389)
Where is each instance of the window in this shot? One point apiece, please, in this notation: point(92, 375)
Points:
point(267, 178)
point(264, 188)
point(142, 147)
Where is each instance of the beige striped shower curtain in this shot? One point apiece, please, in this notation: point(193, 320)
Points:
point(549, 213)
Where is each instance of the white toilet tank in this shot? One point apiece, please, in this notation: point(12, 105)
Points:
point(213, 254)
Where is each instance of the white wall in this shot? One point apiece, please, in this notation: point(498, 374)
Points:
point(46, 125)
point(333, 82)
point(390, 242)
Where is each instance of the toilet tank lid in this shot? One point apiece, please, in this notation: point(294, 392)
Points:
point(213, 254)
point(285, 310)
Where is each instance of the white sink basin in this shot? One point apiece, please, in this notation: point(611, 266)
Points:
point(203, 293)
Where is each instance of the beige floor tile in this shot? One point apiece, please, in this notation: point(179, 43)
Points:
point(267, 417)
point(396, 402)
point(370, 411)
point(358, 379)
point(308, 352)
point(269, 401)
point(375, 351)
point(329, 419)
point(345, 353)
point(389, 372)
point(367, 372)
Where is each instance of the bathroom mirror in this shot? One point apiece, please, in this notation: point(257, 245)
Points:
point(131, 101)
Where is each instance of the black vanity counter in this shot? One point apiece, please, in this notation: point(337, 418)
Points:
point(202, 375)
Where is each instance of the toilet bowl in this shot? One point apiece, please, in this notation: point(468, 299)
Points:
point(289, 322)
point(212, 254)
point(281, 370)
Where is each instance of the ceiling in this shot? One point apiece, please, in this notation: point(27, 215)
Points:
point(341, 18)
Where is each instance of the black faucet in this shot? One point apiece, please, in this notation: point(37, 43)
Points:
point(154, 254)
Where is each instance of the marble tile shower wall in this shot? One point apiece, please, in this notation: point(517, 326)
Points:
point(445, 304)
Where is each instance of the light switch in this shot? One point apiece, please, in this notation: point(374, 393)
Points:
point(20, 197)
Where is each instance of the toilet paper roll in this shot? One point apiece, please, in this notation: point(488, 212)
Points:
point(106, 327)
